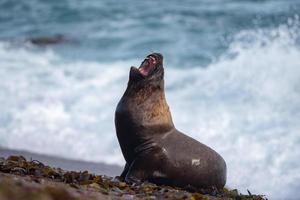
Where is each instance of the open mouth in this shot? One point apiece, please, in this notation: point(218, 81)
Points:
point(147, 65)
point(152, 65)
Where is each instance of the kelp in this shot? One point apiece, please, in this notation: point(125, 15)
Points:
point(114, 187)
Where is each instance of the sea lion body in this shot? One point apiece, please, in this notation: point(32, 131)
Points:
point(153, 148)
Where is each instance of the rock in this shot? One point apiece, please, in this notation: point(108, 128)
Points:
point(34, 180)
point(48, 40)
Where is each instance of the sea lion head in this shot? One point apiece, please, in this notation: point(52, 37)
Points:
point(144, 101)
point(151, 71)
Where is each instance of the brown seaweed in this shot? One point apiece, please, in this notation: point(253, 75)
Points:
point(114, 187)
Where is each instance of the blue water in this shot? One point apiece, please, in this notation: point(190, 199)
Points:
point(232, 79)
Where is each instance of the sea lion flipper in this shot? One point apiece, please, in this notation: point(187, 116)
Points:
point(136, 172)
point(146, 165)
point(125, 171)
point(132, 179)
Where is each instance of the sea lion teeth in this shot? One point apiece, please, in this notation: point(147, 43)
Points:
point(152, 59)
point(153, 148)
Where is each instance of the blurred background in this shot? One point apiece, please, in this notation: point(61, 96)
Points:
point(232, 79)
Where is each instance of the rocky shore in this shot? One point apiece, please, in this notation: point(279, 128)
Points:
point(31, 179)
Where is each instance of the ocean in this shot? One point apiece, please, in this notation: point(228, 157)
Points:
point(232, 78)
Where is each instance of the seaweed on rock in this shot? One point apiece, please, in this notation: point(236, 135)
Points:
point(58, 183)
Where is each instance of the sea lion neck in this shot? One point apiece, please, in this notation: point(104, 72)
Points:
point(146, 105)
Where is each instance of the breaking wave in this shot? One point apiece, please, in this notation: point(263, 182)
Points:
point(245, 105)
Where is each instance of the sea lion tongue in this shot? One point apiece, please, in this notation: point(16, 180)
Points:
point(147, 65)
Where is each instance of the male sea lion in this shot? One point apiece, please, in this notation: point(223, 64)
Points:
point(153, 148)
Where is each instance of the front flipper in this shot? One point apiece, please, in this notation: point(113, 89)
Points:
point(125, 171)
point(138, 171)
point(147, 166)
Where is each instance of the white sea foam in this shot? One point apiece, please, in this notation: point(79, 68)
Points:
point(248, 108)
point(246, 105)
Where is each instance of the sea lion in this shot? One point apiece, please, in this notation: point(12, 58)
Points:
point(153, 148)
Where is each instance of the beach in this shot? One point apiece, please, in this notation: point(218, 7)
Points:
point(31, 179)
point(67, 164)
